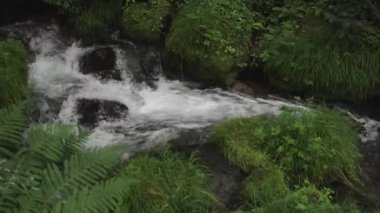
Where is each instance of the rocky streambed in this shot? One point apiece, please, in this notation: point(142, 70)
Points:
point(120, 92)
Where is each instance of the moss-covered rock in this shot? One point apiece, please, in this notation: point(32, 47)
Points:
point(315, 145)
point(236, 139)
point(13, 72)
point(210, 39)
point(168, 183)
point(144, 21)
point(263, 186)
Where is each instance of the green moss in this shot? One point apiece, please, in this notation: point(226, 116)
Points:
point(263, 186)
point(316, 145)
point(236, 139)
point(314, 62)
point(144, 20)
point(13, 72)
point(168, 183)
point(211, 38)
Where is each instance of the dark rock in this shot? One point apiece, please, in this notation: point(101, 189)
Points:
point(92, 111)
point(101, 62)
point(26, 10)
point(145, 63)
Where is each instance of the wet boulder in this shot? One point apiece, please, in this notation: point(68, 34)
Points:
point(92, 111)
point(100, 62)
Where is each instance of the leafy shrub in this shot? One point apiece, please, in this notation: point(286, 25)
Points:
point(263, 186)
point(209, 40)
point(145, 20)
point(13, 72)
point(236, 139)
point(300, 64)
point(317, 145)
point(167, 184)
point(305, 199)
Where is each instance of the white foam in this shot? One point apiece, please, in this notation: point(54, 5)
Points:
point(55, 73)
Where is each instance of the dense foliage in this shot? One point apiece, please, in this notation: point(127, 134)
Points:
point(13, 72)
point(319, 146)
point(324, 48)
point(211, 39)
point(145, 21)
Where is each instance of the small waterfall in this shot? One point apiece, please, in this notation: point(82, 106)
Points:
point(155, 113)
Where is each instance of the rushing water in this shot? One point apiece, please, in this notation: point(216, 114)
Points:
point(156, 114)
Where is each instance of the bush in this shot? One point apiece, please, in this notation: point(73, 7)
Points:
point(236, 139)
point(317, 145)
point(13, 72)
point(209, 40)
point(300, 63)
point(305, 199)
point(167, 184)
point(145, 21)
point(263, 186)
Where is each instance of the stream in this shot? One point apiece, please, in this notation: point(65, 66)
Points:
point(159, 111)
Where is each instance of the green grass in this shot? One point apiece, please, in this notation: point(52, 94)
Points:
point(97, 20)
point(263, 186)
point(169, 183)
point(236, 139)
point(312, 62)
point(212, 38)
point(314, 145)
point(13, 72)
point(144, 20)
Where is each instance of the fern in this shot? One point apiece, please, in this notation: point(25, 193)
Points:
point(13, 123)
point(105, 197)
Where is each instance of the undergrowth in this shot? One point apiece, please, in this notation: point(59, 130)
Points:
point(13, 72)
point(212, 39)
point(145, 20)
point(169, 184)
point(314, 145)
point(302, 64)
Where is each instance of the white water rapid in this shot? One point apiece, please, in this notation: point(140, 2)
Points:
point(155, 114)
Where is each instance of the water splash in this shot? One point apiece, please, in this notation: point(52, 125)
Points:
point(155, 113)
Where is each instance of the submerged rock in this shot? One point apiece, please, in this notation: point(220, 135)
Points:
point(100, 62)
point(92, 111)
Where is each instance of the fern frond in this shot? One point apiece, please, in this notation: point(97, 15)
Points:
point(13, 123)
point(102, 198)
point(79, 172)
point(54, 143)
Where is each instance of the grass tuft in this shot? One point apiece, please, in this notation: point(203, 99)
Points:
point(13, 72)
point(169, 183)
point(306, 63)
